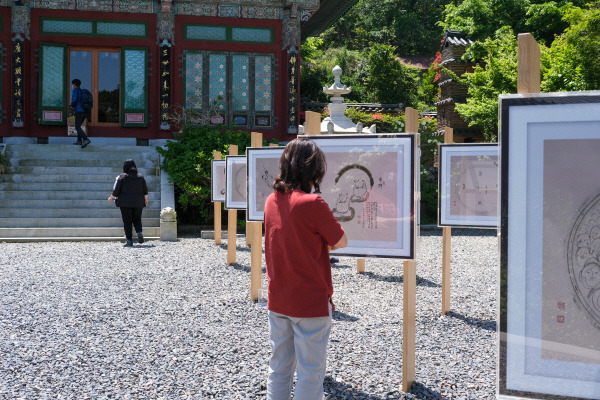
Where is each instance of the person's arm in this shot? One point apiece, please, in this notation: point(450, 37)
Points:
point(74, 97)
point(146, 199)
point(343, 242)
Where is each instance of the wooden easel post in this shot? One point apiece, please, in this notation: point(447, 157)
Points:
point(446, 246)
point(360, 265)
point(217, 206)
point(232, 222)
point(528, 64)
point(312, 123)
point(255, 240)
point(409, 310)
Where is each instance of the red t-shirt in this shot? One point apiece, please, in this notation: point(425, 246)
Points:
point(298, 228)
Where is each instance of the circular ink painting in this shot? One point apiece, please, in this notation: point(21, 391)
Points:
point(583, 257)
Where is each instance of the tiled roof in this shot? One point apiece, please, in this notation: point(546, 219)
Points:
point(329, 12)
point(456, 38)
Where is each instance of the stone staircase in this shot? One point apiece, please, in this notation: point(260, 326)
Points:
point(59, 192)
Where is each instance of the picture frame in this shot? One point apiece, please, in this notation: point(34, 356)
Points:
point(263, 167)
point(468, 185)
point(370, 186)
point(235, 182)
point(217, 179)
point(549, 313)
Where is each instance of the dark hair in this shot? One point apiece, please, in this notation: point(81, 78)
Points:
point(129, 167)
point(76, 82)
point(302, 166)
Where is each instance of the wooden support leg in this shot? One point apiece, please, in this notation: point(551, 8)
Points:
point(408, 323)
point(231, 236)
point(360, 265)
point(217, 222)
point(446, 252)
point(255, 260)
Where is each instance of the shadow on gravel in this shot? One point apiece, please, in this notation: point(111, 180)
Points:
point(340, 266)
point(245, 268)
point(237, 248)
point(399, 279)
point(423, 392)
point(340, 316)
point(340, 390)
point(459, 232)
point(488, 325)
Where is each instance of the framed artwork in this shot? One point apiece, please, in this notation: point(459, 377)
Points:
point(235, 182)
point(370, 187)
point(468, 185)
point(263, 167)
point(217, 179)
point(549, 330)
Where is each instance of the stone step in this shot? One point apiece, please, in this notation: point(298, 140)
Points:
point(65, 170)
point(83, 155)
point(65, 195)
point(101, 204)
point(108, 211)
point(71, 148)
point(74, 178)
point(85, 163)
point(114, 233)
point(71, 222)
point(107, 186)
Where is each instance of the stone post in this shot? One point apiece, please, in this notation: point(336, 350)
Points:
point(168, 225)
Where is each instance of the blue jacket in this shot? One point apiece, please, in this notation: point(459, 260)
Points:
point(76, 100)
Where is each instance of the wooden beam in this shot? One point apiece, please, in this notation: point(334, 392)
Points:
point(360, 265)
point(255, 239)
point(232, 222)
point(446, 246)
point(409, 289)
point(528, 65)
point(217, 209)
point(408, 324)
point(312, 123)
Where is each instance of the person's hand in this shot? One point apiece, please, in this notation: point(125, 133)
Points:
point(110, 199)
point(146, 202)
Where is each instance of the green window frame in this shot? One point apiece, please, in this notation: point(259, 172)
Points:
point(134, 86)
point(233, 34)
point(93, 28)
point(250, 92)
point(53, 88)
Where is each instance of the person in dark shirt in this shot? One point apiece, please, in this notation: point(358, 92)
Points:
point(131, 194)
point(80, 113)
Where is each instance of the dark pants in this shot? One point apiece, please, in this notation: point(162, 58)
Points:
point(79, 118)
point(131, 216)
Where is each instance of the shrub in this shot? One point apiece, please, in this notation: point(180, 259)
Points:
point(187, 160)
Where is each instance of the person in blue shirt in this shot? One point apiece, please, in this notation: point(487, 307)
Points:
point(80, 113)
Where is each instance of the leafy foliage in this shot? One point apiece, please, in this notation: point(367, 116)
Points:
point(187, 160)
point(571, 62)
point(499, 55)
point(408, 25)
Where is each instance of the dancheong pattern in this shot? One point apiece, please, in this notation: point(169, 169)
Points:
point(53, 76)
point(263, 83)
point(193, 80)
point(134, 79)
point(218, 79)
point(240, 82)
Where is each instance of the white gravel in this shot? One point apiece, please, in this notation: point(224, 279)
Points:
point(169, 320)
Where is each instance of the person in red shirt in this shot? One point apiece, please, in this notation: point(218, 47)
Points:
point(300, 230)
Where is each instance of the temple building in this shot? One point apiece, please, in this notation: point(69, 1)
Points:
point(147, 60)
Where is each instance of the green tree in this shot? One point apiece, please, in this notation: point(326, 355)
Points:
point(573, 60)
point(388, 80)
point(499, 56)
point(408, 25)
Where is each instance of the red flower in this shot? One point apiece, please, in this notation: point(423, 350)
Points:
point(378, 116)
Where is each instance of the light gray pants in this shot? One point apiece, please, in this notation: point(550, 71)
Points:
point(297, 343)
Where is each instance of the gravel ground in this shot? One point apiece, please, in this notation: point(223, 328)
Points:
point(169, 320)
